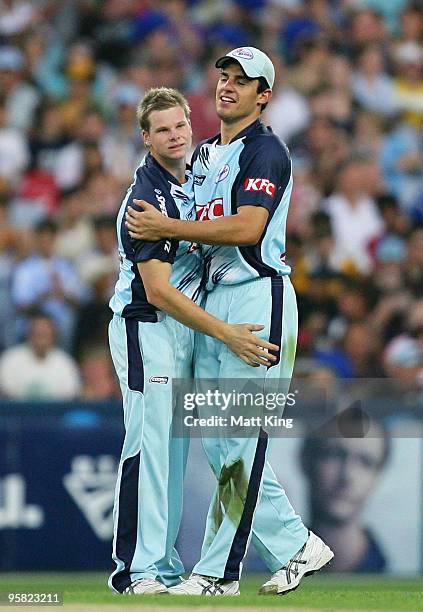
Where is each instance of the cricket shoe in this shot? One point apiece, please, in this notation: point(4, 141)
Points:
point(145, 586)
point(205, 585)
point(309, 559)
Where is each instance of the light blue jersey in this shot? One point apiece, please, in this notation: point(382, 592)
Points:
point(253, 169)
point(249, 284)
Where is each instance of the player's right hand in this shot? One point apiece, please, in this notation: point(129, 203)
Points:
point(248, 346)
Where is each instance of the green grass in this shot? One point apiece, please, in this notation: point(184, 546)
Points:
point(328, 593)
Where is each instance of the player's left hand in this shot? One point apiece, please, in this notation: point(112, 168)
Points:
point(148, 224)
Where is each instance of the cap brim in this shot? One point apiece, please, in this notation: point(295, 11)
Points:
point(226, 58)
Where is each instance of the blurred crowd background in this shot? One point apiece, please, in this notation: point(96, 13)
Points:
point(348, 101)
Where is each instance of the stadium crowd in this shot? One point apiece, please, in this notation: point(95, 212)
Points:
point(348, 102)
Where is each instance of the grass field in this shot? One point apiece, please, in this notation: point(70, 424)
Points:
point(89, 592)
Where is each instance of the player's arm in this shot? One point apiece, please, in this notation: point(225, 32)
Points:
point(266, 171)
point(250, 348)
point(243, 228)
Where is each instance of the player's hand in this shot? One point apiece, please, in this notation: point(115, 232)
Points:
point(148, 224)
point(249, 347)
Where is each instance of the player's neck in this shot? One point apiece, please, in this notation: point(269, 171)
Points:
point(175, 167)
point(229, 130)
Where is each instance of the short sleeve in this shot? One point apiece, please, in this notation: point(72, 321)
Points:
point(265, 171)
point(163, 250)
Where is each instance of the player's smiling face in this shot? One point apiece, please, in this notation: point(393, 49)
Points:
point(170, 134)
point(236, 95)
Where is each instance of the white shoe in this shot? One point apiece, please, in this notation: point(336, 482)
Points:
point(309, 559)
point(145, 586)
point(205, 585)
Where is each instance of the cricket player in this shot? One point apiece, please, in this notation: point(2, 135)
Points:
point(151, 342)
point(242, 183)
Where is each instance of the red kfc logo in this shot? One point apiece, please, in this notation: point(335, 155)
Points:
point(211, 210)
point(260, 184)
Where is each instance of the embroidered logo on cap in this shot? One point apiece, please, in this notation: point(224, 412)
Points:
point(242, 53)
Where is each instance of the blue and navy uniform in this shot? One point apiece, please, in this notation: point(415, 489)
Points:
point(149, 349)
point(157, 186)
point(254, 169)
point(247, 284)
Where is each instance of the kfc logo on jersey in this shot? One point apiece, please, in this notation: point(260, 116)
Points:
point(211, 210)
point(260, 184)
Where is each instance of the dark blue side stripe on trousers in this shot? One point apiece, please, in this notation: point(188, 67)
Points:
point(275, 335)
point(126, 538)
point(239, 543)
point(135, 364)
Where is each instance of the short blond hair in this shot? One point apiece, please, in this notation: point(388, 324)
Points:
point(157, 99)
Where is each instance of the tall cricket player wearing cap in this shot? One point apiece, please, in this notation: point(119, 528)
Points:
point(242, 184)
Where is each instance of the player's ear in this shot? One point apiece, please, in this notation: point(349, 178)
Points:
point(264, 96)
point(146, 138)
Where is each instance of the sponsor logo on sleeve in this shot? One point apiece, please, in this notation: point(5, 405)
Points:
point(162, 202)
point(260, 184)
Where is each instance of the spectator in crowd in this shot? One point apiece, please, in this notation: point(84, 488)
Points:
point(367, 28)
point(204, 120)
point(354, 217)
point(102, 261)
point(98, 378)
point(413, 269)
point(9, 237)
point(286, 102)
point(410, 25)
point(75, 235)
point(122, 146)
point(48, 283)
point(38, 369)
point(409, 82)
point(308, 73)
point(401, 162)
point(14, 154)
point(21, 98)
point(17, 16)
point(54, 150)
point(372, 87)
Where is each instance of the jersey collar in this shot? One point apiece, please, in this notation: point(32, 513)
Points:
point(152, 163)
point(253, 128)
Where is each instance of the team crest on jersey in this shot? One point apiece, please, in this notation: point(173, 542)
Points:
point(199, 179)
point(222, 174)
point(260, 184)
point(211, 210)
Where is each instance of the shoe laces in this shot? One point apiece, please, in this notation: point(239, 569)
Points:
point(144, 581)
